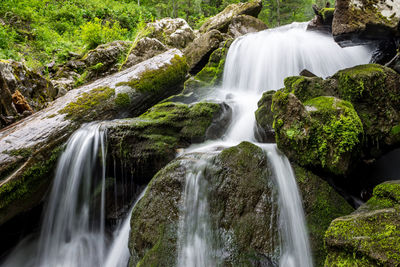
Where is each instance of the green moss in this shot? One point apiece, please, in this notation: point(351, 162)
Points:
point(357, 81)
point(82, 79)
point(372, 232)
point(326, 136)
point(30, 181)
point(327, 13)
point(22, 152)
point(305, 88)
point(87, 102)
point(122, 100)
point(343, 259)
point(154, 81)
point(395, 130)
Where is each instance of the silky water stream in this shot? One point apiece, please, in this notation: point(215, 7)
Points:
point(73, 231)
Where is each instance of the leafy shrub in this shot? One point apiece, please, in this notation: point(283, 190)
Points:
point(96, 32)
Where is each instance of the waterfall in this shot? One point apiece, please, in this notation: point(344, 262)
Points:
point(295, 248)
point(119, 254)
point(73, 232)
point(256, 63)
point(194, 228)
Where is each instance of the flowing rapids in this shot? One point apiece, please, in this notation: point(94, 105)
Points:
point(256, 63)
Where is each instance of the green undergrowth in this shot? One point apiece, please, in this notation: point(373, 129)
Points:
point(40, 31)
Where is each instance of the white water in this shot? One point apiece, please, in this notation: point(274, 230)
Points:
point(194, 228)
point(119, 254)
point(256, 63)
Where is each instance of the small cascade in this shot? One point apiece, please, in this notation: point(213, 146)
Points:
point(118, 254)
point(73, 232)
point(295, 247)
point(195, 234)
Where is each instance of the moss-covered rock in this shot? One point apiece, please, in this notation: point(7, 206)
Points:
point(373, 90)
point(147, 143)
point(321, 204)
point(323, 132)
point(357, 21)
point(371, 235)
point(211, 75)
point(242, 205)
point(265, 117)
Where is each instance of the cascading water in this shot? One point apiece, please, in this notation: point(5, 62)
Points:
point(256, 63)
point(194, 229)
point(73, 230)
point(73, 233)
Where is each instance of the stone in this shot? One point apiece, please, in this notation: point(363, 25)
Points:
point(322, 20)
point(242, 206)
point(146, 144)
point(172, 32)
point(322, 132)
point(356, 21)
point(244, 24)
point(222, 20)
point(373, 92)
point(265, 117)
point(370, 235)
point(199, 51)
point(36, 89)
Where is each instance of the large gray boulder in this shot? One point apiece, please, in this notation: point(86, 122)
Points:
point(357, 21)
point(244, 24)
point(201, 48)
point(29, 149)
point(172, 32)
point(222, 20)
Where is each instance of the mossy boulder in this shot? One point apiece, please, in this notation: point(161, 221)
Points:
point(242, 209)
point(29, 144)
point(147, 143)
point(357, 21)
point(265, 117)
point(199, 51)
point(222, 20)
point(369, 236)
point(372, 89)
point(212, 73)
point(322, 20)
point(321, 204)
point(323, 132)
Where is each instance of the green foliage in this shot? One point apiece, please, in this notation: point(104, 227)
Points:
point(42, 31)
point(97, 32)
